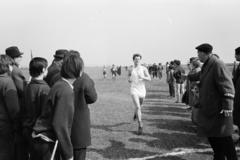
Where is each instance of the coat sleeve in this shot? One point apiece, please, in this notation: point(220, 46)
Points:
point(224, 85)
point(194, 76)
point(19, 80)
point(90, 93)
point(11, 100)
point(62, 123)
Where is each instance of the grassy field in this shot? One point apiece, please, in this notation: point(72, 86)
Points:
point(168, 131)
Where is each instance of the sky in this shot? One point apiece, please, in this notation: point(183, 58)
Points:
point(107, 32)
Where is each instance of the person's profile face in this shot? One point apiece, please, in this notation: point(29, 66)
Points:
point(201, 56)
point(137, 60)
point(237, 57)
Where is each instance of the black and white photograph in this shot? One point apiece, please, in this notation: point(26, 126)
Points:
point(119, 80)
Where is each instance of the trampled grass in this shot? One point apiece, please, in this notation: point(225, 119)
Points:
point(167, 125)
point(168, 131)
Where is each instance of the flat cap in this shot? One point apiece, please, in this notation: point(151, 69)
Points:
point(237, 51)
point(13, 52)
point(205, 47)
point(60, 53)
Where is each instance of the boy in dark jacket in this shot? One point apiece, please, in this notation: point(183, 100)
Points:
point(35, 96)
point(55, 122)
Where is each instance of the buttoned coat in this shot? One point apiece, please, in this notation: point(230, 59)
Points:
point(85, 93)
point(216, 93)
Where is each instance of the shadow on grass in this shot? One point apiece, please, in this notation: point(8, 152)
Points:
point(169, 141)
point(117, 150)
point(108, 128)
point(171, 111)
point(174, 125)
point(167, 158)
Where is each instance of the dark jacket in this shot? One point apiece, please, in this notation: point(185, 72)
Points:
point(53, 73)
point(216, 93)
point(35, 97)
point(85, 94)
point(57, 117)
point(179, 74)
point(236, 82)
point(9, 106)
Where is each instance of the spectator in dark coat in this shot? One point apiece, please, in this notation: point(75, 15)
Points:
point(85, 94)
point(56, 119)
point(9, 107)
point(215, 104)
point(20, 82)
point(236, 82)
point(55, 68)
point(35, 96)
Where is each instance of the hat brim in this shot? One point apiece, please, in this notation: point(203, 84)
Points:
point(56, 56)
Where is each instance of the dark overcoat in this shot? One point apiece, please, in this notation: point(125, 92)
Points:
point(216, 93)
point(85, 94)
point(236, 82)
point(9, 106)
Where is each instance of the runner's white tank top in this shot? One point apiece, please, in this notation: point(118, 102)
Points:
point(137, 84)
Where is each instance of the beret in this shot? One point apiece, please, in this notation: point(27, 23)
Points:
point(205, 47)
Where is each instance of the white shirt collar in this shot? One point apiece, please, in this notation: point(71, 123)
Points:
point(67, 82)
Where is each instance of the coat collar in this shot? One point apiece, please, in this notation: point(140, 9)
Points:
point(207, 65)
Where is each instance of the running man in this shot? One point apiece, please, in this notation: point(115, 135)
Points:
point(137, 77)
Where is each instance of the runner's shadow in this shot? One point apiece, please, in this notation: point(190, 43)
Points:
point(117, 150)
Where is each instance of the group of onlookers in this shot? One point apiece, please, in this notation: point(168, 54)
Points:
point(155, 70)
point(211, 95)
point(176, 79)
point(47, 117)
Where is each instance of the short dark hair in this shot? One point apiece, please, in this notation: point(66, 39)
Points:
point(72, 66)
point(5, 62)
point(36, 66)
point(137, 55)
point(177, 62)
point(196, 63)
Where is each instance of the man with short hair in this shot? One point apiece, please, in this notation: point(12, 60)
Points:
point(216, 93)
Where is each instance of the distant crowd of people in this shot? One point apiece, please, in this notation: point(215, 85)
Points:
point(47, 117)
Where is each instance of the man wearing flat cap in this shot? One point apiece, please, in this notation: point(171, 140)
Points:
point(20, 151)
point(55, 68)
point(236, 82)
point(216, 93)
